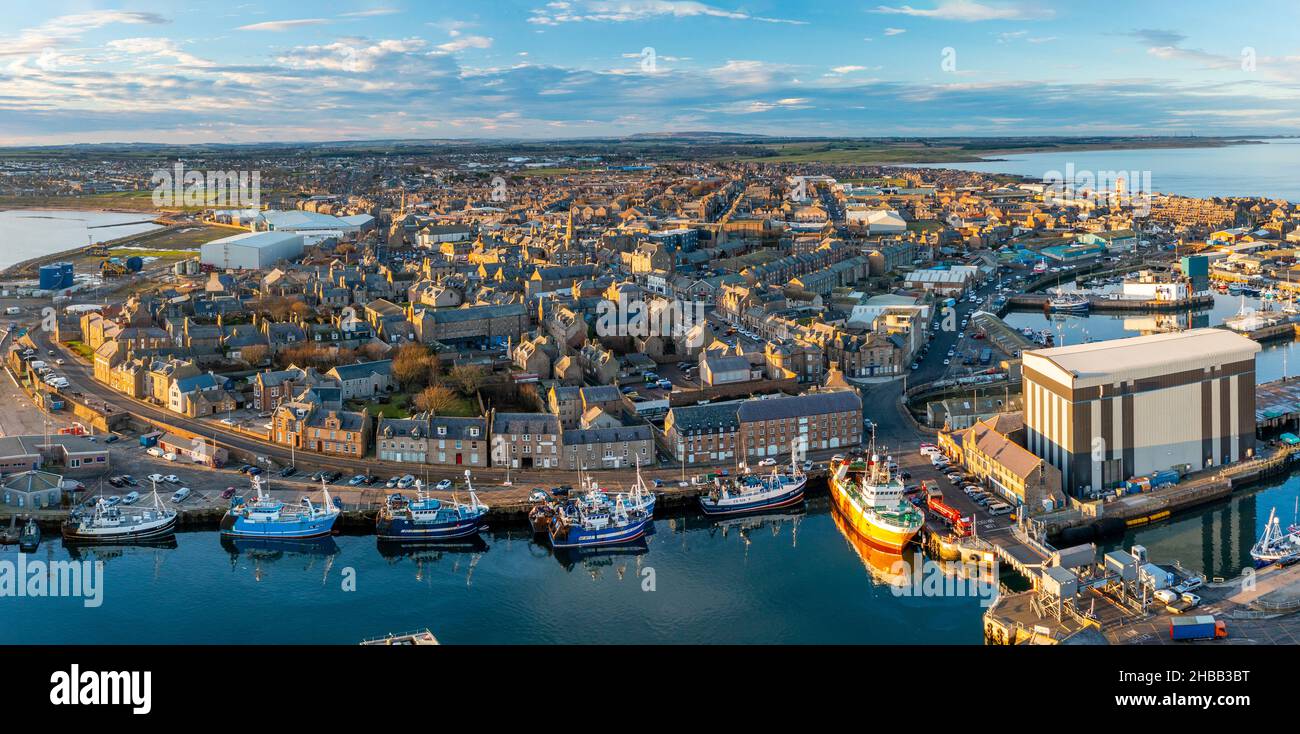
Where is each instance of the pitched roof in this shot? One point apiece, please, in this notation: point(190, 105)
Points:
point(813, 403)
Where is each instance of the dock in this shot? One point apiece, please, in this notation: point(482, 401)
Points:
point(1098, 303)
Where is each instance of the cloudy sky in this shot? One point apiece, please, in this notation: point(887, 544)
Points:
point(199, 71)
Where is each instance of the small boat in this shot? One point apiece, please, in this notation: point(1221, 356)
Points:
point(1063, 302)
point(575, 525)
point(30, 539)
point(108, 523)
point(266, 517)
point(418, 637)
point(426, 519)
point(1274, 545)
point(753, 493)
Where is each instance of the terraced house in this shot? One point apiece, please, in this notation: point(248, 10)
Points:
point(438, 440)
point(307, 425)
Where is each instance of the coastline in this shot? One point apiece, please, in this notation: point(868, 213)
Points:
point(17, 269)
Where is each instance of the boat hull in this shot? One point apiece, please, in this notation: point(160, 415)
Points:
point(573, 536)
point(239, 526)
point(785, 499)
point(113, 535)
point(867, 526)
point(406, 531)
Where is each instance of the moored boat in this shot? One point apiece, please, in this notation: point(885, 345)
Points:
point(1064, 302)
point(267, 517)
point(754, 493)
point(112, 523)
point(30, 538)
point(1273, 545)
point(426, 519)
point(576, 525)
point(873, 502)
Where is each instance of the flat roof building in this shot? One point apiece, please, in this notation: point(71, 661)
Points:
point(1102, 412)
point(251, 250)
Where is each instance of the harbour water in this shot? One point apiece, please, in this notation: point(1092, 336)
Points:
point(1257, 169)
point(787, 579)
point(28, 233)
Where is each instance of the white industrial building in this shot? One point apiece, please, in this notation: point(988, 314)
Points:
point(878, 221)
point(1103, 412)
point(251, 250)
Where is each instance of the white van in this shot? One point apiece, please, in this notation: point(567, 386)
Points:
point(999, 508)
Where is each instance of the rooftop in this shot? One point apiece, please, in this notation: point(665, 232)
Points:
point(1104, 362)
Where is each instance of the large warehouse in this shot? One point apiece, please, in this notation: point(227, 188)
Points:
point(251, 250)
point(1103, 412)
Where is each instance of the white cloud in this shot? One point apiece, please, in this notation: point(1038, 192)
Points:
point(370, 13)
point(69, 29)
point(277, 26)
point(463, 42)
point(969, 11)
point(847, 69)
point(895, 31)
point(624, 11)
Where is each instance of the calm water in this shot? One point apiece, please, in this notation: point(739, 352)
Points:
point(28, 233)
point(788, 579)
point(1265, 169)
point(1276, 357)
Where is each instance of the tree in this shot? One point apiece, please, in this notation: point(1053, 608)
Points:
point(435, 399)
point(254, 354)
point(467, 378)
point(411, 366)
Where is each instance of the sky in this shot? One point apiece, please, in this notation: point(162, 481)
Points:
point(231, 72)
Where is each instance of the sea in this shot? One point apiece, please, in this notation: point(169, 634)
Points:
point(29, 233)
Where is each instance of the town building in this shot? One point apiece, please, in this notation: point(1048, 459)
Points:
point(1105, 411)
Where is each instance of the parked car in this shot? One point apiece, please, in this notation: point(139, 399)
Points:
point(769, 461)
point(154, 451)
point(406, 481)
point(181, 494)
point(254, 471)
point(156, 478)
point(357, 480)
point(116, 482)
point(170, 456)
point(1190, 584)
point(334, 476)
point(129, 480)
point(227, 493)
point(130, 498)
point(444, 485)
point(392, 482)
point(289, 471)
point(110, 438)
point(113, 500)
point(172, 479)
point(1191, 599)
point(1168, 596)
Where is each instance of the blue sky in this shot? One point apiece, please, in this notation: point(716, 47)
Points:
point(74, 72)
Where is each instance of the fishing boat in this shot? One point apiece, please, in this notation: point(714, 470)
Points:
point(266, 517)
point(426, 519)
point(873, 501)
point(1067, 302)
point(107, 523)
point(1274, 545)
point(574, 524)
point(641, 497)
point(30, 538)
point(754, 493)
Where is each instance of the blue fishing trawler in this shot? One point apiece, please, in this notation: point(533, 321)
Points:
point(640, 497)
point(426, 519)
point(754, 493)
point(578, 525)
point(266, 517)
